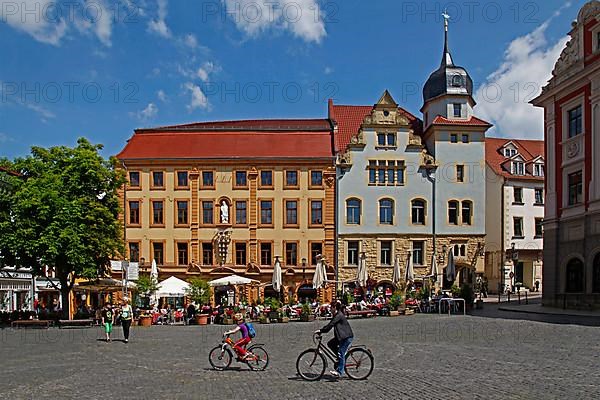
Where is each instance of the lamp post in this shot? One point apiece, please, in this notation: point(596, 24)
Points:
point(303, 269)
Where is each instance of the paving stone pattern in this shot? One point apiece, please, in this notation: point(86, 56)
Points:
point(421, 356)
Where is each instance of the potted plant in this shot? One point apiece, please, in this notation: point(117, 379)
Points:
point(306, 315)
point(199, 293)
point(263, 319)
point(274, 305)
point(145, 286)
point(396, 302)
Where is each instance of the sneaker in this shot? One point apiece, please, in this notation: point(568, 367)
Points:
point(334, 373)
point(126, 340)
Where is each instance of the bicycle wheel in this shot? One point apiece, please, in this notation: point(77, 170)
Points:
point(359, 364)
point(220, 358)
point(311, 365)
point(259, 360)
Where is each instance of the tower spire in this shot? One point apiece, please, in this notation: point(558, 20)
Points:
point(446, 58)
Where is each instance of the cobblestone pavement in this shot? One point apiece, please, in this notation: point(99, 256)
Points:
point(485, 356)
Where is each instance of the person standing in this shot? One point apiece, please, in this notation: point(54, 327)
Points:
point(126, 318)
point(342, 338)
point(108, 318)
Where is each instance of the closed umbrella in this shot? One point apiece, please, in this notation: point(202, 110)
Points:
point(362, 275)
point(319, 276)
point(154, 278)
point(276, 280)
point(410, 273)
point(397, 275)
point(433, 266)
point(450, 268)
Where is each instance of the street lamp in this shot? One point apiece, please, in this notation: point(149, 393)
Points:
point(303, 269)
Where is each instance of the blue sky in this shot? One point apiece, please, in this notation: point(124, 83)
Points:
point(101, 68)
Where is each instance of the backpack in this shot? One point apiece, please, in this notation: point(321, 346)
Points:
point(251, 331)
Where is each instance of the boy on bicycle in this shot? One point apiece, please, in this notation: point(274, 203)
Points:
point(342, 339)
point(240, 345)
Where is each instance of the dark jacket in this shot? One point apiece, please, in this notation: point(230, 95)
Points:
point(342, 327)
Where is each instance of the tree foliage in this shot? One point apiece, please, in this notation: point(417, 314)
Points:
point(198, 291)
point(63, 212)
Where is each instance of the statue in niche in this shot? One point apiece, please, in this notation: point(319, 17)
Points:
point(224, 212)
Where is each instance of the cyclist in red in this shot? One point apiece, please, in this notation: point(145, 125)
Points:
point(240, 345)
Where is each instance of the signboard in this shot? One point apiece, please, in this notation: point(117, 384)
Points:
point(133, 272)
point(115, 266)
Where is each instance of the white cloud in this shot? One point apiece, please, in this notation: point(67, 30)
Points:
point(162, 96)
point(190, 41)
point(199, 99)
point(328, 70)
point(147, 113)
point(159, 25)
point(504, 98)
point(45, 30)
point(43, 112)
point(205, 70)
point(303, 18)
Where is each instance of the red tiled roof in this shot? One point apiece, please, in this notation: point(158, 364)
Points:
point(9, 171)
point(439, 120)
point(233, 139)
point(528, 149)
point(349, 118)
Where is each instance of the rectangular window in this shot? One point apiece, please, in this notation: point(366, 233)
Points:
point(353, 211)
point(418, 249)
point(316, 212)
point(207, 212)
point(134, 212)
point(518, 227)
point(134, 252)
point(157, 212)
point(182, 212)
point(266, 212)
point(266, 178)
point(241, 179)
point(391, 139)
point(391, 173)
point(460, 173)
point(385, 256)
point(182, 178)
point(158, 179)
point(386, 139)
point(575, 188)
point(207, 253)
point(418, 212)
point(453, 138)
point(372, 172)
point(538, 170)
point(316, 249)
point(291, 253)
point(517, 195)
point(381, 139)
point(134, 179)
point(240, 213)
point(352, 252)
point(457, 110)
point(466, 212)
point(400, 175)
point(316, 178)
point(518, 168)
point(539, 196)
point(266, 253)
point(575, 122)
point(291, 212)
point(453, 212)
point(208, 178)
point(240, 253)
point(381, 172)
point(465, 138)
point(291, 178)
point(158, 252)
point(182, 253)
point(539, 228)
point(386, 212)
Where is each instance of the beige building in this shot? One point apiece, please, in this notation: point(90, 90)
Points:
point(221, 198)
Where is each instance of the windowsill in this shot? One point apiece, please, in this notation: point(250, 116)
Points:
point(157, 226)
point(386, 147)
point(157, 188)
point(212, 225)
point(315, 187)
point(181, 225)
point(182, 188)
point(240, 187)
point(316, 226)
point(207, 187)
point(134, 225)
point(292, 187)
point(264, 187)
point(518, 237)
point(266, 226)
point(240, 225)
point(134, 188)
point(518, 203)
point(538, 204)
point(291, 226)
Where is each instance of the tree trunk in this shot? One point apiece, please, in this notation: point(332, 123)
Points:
point(64, 294)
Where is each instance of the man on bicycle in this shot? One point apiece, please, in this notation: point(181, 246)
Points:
point(240, 345)
point(342, 339)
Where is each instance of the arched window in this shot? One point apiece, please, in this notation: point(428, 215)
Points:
point(453, 212)
point(418, 212)
point(467, 212)
point(353, 211)
point(596, 274)
point(386, 211)
point(575, 274)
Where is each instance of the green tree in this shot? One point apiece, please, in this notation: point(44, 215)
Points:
point(198, 291)
point(145, 286)
point(63, 212)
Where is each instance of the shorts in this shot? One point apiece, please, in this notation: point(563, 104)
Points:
point(108, 327)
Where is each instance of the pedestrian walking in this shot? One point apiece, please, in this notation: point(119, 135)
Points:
point(126, 318)
point(108, 318)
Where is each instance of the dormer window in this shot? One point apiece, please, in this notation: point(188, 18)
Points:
point(518, 168)
point(457, 110)
point(457, 81)
point(538, 169)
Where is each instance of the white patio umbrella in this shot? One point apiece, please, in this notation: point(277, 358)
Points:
point(410, 273)
point(172, 287)
point(276, 280)
point(362, 275)
point(450, 268)
point(319, 276)
point(397, 275)
point(232, 280)
point(154, 278)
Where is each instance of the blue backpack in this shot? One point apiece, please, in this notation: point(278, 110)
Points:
point(251, 331)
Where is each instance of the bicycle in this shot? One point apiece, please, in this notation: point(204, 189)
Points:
point(311, 363)
point(221, 356)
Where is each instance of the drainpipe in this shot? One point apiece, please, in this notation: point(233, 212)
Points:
point(502, 239)
point(123, 276)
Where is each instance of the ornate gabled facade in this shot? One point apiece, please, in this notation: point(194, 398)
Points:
point(219, 198)
point(571, 102)
point(412, 188)
point(514, 213)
